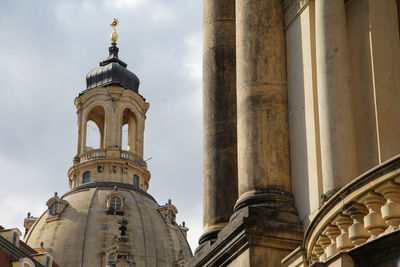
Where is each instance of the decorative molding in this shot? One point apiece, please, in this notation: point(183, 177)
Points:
point(292, 8)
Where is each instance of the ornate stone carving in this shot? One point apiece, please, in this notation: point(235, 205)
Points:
point(373, 221)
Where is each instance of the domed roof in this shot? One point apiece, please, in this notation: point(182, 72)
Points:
point(84, 232)
point(112, 71)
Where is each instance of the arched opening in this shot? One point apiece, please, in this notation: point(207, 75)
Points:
point(92, 136)
point(115, 203)
point(86, 177)
point(95, 128)
point(129, 119)
point(135, 180)
point(125, 137)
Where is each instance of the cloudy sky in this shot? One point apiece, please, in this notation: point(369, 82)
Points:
point(47, 48)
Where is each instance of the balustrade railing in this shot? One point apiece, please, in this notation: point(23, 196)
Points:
point(365, 209)
point(132, 157)
point(102, 153)
point(92, 154)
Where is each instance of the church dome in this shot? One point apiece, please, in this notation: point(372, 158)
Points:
point(112, 71)
point(84, 229)
point(107, 218)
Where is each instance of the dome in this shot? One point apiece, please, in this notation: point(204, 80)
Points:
point(112, 71)
point(83, 231)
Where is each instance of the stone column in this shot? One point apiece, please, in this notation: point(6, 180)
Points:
point(334, 96)
point(219, 117)
point(262, 112)
point(80, 147)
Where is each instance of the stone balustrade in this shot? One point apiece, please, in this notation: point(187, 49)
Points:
point(92, 154)
point(102, 153)
point(132, 157)
point(364, 210)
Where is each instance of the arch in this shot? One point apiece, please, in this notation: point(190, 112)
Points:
point(129, 118)
point(115, 203)
point(86, 177)
point(96, 115)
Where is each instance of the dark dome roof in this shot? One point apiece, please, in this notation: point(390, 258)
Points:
point(112, 71)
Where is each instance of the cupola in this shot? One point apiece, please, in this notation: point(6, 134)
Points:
point(112, 71)
point(111, 101)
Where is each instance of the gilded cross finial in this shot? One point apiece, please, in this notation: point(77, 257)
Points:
point(114, 36)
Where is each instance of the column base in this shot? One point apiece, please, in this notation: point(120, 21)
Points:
point(273, 198)
point(259, 235)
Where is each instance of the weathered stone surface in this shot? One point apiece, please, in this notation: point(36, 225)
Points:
point(338, 153)
point(255, 236)
point(263, 141)
point(219, 102)
point(84, 233)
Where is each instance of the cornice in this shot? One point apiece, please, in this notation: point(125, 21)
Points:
point(292, 8)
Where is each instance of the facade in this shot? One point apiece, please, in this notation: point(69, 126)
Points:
point(15, 253)
point(108, 218)
point(301, 133)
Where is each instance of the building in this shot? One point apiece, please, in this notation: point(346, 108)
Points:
point(301, 133)
point(15, 253)
point(108, 218)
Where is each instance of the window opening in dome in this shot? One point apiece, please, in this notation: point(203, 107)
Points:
point(115, 203)
point(54, 209)
point(111, 256)
point(171, 216)
point(86, 177)
point(135, 180)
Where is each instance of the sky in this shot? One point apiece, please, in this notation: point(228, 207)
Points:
point(47, 48)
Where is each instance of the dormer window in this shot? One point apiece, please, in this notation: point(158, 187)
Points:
point(53, 209)
point(171, 216)
point(115, 203)
point(47, 262)
point(15, 238)
point(169, 211)
point(135, 180)
point(111, 256)
point(86, 177)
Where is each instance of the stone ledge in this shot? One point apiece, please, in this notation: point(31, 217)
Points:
point(259, 226)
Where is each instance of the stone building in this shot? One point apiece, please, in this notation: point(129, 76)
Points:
point(301, 133)
point(15, 253)
point(108, 218)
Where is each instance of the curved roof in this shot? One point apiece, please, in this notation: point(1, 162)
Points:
point(83, 233)
point(112, 71)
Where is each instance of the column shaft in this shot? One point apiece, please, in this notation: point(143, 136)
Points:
point(263, 139)
point(219, 117)
point(334, 96)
